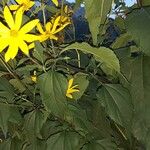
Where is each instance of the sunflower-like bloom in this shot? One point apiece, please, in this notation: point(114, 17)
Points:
point(71, 88)
point(14, 35)
point(55, 2)
point(52, 28)
point(26, 4)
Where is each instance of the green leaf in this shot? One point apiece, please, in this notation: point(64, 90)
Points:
point(6, 90)
point(140, 81)
point(120, 23)
point(77, 4)
point(106, 56)
point(145, 2)
point(76, 116)
point(121, 41)
point(66, 140)
point(17, 85)
point(96, 13)
point(53, 86)
point(5, 145)
point(103, 144)
point(8, 114)
point(13, 144)
point(34, 121)
point(81, 80)
point(117, 102)
point(39, 52)
point(36, 144)
point(138, 23)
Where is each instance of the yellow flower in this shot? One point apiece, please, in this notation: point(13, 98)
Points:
point(14, 36)
point(52, 28)
point(34, 77)
point(68, 11)
point(55, 2)
point(26, 4)
point(71, 89)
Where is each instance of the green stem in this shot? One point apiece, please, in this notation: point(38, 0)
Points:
point(6, 65)
point(53, 49)
point(121, 132)
point(78, 55)
point(43, 12)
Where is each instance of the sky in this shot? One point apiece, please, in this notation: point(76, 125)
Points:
point(129, 2)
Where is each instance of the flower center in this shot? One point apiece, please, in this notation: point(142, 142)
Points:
point(13, 33)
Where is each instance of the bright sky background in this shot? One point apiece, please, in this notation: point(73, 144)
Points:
point(129, 2)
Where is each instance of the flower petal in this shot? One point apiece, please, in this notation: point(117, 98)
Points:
point(55, 2)
point(3, 29)
point(8, 17)
point(43, 37)
point(3, 44)
point(61, 28)
point(32, 45)
point(48, 26)
point(19, 1)
point(30, 37)
point(56, 23)
point(31, 3)
point(72, 90)
point(53, 37)
point(18, 19)
point(23, 47)
point(70, 83)
point(12, 51)
point(73, 87)
point(39, 26)
point(69, 95)
point(13, 7)
point(29, 26)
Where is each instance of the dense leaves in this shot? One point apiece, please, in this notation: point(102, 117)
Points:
point(107, 76)
point(138, 23)
point(107, 58)
point(53, 87)
point(97, 16)
point(64, 141)
point(117, 102)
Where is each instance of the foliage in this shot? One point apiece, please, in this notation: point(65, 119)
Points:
point(58, 93)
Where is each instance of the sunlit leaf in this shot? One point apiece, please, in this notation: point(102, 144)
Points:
point(106, 56)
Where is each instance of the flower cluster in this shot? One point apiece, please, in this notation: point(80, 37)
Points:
point(14, 36)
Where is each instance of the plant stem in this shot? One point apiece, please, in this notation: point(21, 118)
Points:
point(52, 44)
point(6, 65)
point(43, 12)
point(121, 132)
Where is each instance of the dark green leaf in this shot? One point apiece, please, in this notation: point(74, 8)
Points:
point(138, 23)
point(140, 87)
point(103, 144)
point(8, 113)
point(117, 102)
point(38, 52)
point(96, 16)
point(6, 90)
point(107, 57)
point(64, 141)
point(53, 86)
point(34, 121)
point(82, 82)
